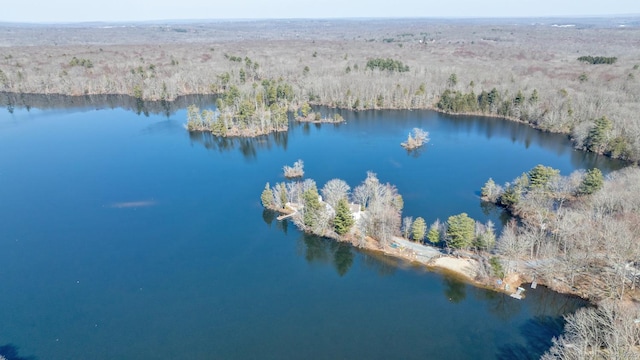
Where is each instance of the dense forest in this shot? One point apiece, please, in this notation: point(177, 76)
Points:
point(528, 73)
point(578, 234)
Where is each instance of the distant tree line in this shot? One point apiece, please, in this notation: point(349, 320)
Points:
point(360, 75)
point(491, 102)
point(599, 137)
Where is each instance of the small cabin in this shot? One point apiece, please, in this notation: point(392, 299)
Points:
point(356, 210)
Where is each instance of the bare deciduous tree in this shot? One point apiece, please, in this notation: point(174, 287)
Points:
point(334, 190)
point(295, 171)
point(416, 139)
point(610, 331)
point(407, 221)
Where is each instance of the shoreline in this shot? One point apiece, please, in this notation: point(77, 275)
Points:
point(431, 258)
point(514, 280)
point(327, 105)
point(462, 268)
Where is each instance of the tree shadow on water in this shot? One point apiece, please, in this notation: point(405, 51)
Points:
point(268, 216)
point(415, 153)
point(326, 251)
point(10, 352)
point(454, 290)
point(381, 264)
point(343, 259)
point(249, 147)
point(538, 333)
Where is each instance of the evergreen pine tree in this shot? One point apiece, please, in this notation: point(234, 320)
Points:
point(490, 191)
point(311, 207)
point(434, 232)
point(591, 183)
point(460, 231)
point(283, 195)
point(540, 176)
point(599, 135)
point(305, 109)
point(267, 196)
point(519, 99)
point(486, 238)
point(419, 229)
point(534, 97)
point(343, 220)
point(513, 192)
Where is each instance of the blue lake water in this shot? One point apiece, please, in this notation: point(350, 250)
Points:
point(123, 236)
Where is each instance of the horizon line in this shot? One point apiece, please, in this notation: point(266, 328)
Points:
point(353, 18)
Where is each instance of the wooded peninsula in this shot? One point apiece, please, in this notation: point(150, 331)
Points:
point(577, 233)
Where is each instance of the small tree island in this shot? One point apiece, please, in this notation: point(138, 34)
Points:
point(295, 171)
point(416, 139)
point(259, 111)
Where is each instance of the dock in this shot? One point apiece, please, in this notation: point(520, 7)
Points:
point(282, 217)
point(291, 206)
point(518, 294)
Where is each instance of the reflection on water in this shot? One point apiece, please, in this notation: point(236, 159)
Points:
point(269, 216)
point(454, 290)
point(380, 264)
point(357, 122)
point(378, 121)
point(91, 102)
point(538, 333)
point(492, 210)
point(201, 275)
point(548, 308)
point(523, 134)
point(339, 255)
point(249, 147)
point(10, 352)
point(324, 251)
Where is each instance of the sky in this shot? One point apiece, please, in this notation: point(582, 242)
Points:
point(37, 11)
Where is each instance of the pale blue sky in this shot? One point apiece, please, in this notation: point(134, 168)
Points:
point(131, 10)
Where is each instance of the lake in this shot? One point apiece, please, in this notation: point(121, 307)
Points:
point(123, 236)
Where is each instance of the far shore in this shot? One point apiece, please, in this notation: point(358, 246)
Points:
point(240, 133)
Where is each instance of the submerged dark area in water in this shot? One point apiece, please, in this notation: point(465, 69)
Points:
point(124, 236)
